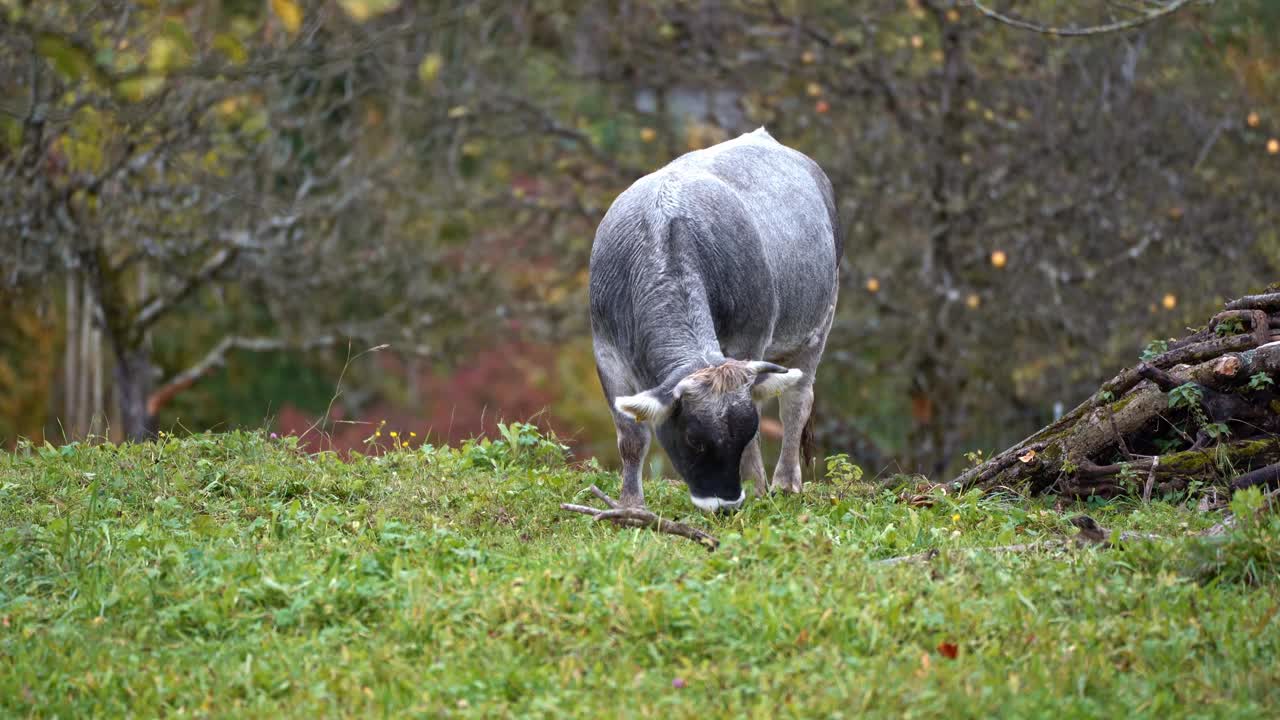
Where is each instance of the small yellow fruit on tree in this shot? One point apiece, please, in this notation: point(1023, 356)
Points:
point(429, 68)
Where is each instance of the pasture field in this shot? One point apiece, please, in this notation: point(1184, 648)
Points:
point(234, 576)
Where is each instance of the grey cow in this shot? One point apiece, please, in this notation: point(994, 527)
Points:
point(709, 278)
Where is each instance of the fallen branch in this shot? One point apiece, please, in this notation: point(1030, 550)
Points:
point(1091, 533)
point(1269, 475)
point(928, 555)
point(640, 518)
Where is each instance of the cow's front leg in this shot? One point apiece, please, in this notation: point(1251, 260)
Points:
point(751, 469)
point(633, 446)
point(796, 404)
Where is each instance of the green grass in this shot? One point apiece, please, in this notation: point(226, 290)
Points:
point(232, 575)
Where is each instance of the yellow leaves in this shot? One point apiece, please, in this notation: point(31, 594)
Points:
point(555, 294)
point(917, 42)
point(230, 106)
point(457, 111)
point(10, 130)
point(172, 48)
point(813, 89)
point(699, 135)
point(429, 68)
point(972, 301)
point(71, 60)
point(361, 10)
point(1273, 146)
point(231, 46)
point(1253, 120)
point(163, 54)
point(648, 134)
point(1027, 456)
point(925, 664)
point(999, 258)
point(140, 88)
point(873, 284)
point(211, 162)
point(1169, 301)
point(289, 13)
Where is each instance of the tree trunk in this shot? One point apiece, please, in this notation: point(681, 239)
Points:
point(132, 387)
point(70, 355)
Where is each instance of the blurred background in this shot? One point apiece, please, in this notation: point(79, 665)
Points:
point(216, 213)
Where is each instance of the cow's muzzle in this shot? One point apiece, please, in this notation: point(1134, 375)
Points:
point(715, 504)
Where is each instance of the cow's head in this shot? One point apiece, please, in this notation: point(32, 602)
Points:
point(705, 421)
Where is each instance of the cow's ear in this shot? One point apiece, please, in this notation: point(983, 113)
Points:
point(646, 407)
point(772, 383)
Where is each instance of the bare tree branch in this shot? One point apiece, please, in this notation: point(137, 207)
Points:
point(1146, 16)
point(154, 308)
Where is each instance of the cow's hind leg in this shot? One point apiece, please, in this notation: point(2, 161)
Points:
point(751, 469)
point(796, 404)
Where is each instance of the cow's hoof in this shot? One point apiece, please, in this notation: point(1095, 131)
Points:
point(785, 487)
point(631, 501)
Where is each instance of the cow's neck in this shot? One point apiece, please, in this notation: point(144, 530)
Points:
point(684, 337)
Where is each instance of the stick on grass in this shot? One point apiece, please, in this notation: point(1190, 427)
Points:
point(639, 518)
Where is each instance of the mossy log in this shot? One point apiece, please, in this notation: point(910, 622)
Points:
point(1205, 411)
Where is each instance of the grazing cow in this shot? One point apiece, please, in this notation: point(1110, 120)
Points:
point(709, 278)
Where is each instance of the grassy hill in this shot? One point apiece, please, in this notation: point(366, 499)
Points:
point(231, 575)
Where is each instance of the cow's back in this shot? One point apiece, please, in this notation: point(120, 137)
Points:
point(753, 221)
point(789, 200)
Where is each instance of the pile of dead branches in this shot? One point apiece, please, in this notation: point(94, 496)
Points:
point(1200, 411)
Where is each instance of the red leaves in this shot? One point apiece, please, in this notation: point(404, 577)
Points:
point(946, 649)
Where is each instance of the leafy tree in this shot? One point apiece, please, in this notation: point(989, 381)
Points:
point(217, 156)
